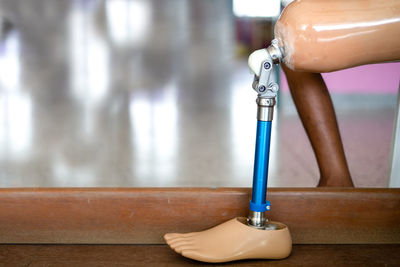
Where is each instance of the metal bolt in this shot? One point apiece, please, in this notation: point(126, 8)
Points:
point(267, 65)
point(262, 88)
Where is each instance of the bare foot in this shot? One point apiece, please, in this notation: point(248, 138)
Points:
point(233, 240)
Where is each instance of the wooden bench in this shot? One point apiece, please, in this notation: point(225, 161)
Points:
point(122, 225)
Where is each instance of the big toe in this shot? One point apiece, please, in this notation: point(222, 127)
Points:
point(170, 236)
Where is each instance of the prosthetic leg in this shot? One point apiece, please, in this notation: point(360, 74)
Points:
point(254, 237)
point(262, 63)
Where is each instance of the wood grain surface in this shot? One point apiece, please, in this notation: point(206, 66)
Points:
point(143, 215)
point(161, 255)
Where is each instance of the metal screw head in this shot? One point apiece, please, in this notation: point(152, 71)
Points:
point(267, 65)
point(262, 88)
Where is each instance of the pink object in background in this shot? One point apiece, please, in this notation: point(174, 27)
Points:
point(376, 79)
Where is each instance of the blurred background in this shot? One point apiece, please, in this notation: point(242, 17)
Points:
point(158, 93)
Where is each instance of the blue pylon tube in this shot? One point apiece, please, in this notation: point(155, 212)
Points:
point(258, 201)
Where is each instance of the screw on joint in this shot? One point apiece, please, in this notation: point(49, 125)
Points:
point(262, 89)
point(267, 65)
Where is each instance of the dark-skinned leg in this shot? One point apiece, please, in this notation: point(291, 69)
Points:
point(317, 114)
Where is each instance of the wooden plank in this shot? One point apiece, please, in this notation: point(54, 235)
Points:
point(155, 255)
point(143, 215)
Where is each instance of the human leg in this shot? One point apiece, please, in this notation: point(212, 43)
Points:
point(317, 114)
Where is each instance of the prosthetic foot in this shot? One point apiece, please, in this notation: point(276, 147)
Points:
point(254, 237)
point(233, 240)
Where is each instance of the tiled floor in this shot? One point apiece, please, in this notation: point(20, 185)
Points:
point(151, 93)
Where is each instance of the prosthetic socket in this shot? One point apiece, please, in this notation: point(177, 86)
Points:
point(325, 36)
